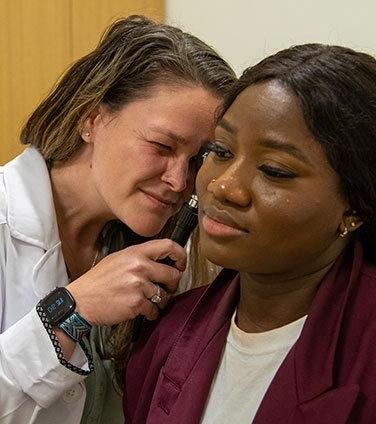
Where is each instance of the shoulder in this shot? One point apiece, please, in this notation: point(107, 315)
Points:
point(173, 319)
point(366, 286)
point(157, 337)
point(152, 349)
point(365, 296)
point(368, 273)
point(359, 313)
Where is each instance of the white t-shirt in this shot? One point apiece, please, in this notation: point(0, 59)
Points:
point(248, 364)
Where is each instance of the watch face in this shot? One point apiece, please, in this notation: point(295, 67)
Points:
point(58, 305)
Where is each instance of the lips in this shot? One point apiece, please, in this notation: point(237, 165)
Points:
point(223, 217)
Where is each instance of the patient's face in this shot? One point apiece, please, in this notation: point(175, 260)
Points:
point(274, 205)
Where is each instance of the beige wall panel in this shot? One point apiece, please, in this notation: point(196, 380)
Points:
point(39, 39)
point(34, 50)
point(91, 17)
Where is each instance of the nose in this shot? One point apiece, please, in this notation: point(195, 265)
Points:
point(230, 187)
point(177, 174)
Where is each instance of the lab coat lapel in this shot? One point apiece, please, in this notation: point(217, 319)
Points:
point(32, 218)
point(50, 272)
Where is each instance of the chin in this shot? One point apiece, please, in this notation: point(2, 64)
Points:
point(216, 254)
point(147, 230)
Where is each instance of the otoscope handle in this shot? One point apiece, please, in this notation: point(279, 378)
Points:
point(185, 224)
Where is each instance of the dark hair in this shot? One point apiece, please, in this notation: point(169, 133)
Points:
point(336, 87)
point(133, 56)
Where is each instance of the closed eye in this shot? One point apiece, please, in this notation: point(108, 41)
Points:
point(274, 172)
point(162, 146)
point(220, 151)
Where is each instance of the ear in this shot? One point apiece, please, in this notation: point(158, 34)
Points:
point(87, 129)
point(351, 221)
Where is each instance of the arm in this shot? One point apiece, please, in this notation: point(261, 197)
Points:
point(31, 377)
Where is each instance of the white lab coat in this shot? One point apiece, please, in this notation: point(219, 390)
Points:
point(34, 386)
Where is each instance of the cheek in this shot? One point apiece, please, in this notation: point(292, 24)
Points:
point(204, 176)
point(298, 217)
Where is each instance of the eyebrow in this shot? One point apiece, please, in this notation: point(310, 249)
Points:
point(223, 123)
point(169, 134)
point(270, 143)
point(285, 147)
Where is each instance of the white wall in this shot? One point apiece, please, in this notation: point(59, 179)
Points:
point(245, 31)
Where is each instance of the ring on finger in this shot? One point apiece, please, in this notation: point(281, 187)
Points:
point(157, 297)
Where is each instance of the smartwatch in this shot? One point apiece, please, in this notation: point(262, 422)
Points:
point(57, 305)
point(59, 310)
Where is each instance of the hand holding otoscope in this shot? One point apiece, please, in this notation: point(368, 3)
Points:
point(186, 222)
point(119, 288)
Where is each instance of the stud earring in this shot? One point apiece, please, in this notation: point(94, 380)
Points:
point(87, 134)
point(344, 232)
point(213, 180)
point(352, 224)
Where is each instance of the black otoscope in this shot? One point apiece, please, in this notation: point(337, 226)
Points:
point(186, 222)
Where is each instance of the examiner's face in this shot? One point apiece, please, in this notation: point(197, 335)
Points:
point(143, 157)
point(269, 200)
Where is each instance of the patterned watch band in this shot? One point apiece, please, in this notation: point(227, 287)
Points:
point(58, 349)
point(76, 327)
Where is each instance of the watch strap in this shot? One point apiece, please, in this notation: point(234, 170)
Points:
point(76, 327)
point(58, 349)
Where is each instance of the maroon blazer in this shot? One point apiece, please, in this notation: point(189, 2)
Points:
point(328, 377)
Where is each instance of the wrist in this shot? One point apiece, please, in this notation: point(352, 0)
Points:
point(76, 327)
point(68, 345)
point(64, 346)
point(59, 308)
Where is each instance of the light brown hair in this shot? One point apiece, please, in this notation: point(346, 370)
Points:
point(133, 56)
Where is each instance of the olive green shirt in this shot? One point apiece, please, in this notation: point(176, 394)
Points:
point(103, 403)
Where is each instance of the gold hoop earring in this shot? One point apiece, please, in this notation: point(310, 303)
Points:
point(344, 232)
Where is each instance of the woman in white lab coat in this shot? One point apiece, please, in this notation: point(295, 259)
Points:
point(116, 139)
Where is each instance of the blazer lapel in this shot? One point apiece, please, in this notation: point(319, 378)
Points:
point(303, 386)
point(183, 387)
point(331, 407)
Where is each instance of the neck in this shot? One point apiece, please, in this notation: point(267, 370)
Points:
point(267, 303)
point(80, 211)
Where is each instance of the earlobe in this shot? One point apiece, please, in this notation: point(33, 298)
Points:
point(350, 222)
point(86, 136)
point(87, 128)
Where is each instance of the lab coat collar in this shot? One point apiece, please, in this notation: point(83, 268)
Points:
point(31, 212)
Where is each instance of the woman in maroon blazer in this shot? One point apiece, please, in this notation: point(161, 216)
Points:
point(288, 201)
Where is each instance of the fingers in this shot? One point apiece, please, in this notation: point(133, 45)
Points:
point(156, 295)
point(163, 248)
point(125, 279)
point(155, 299)
point(165, 276)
